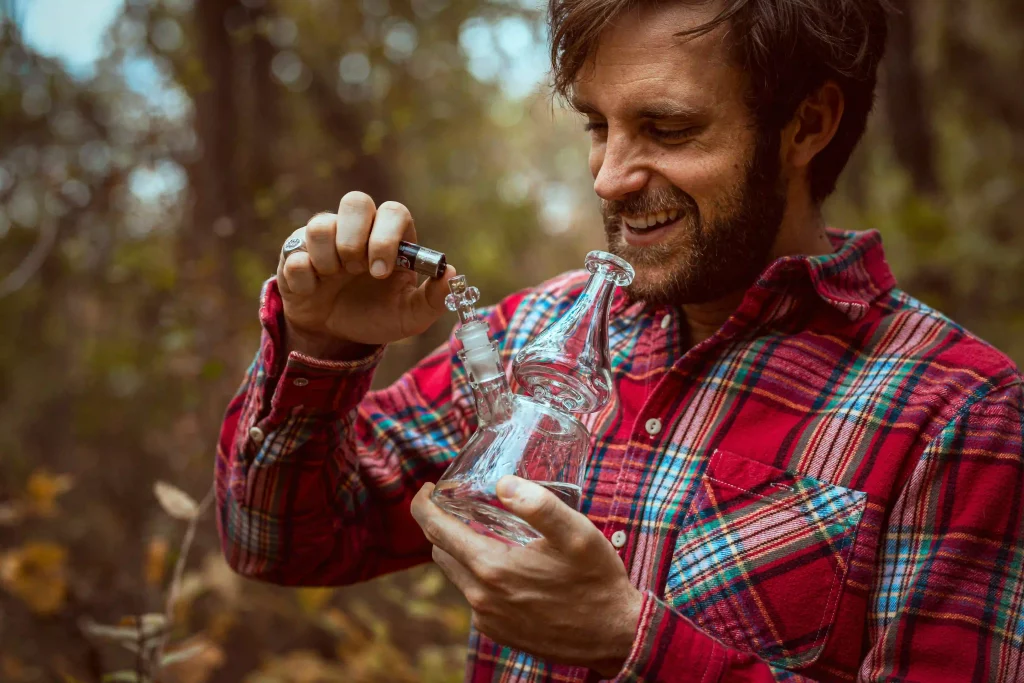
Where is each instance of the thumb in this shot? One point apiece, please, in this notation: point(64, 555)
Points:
point(436, 289)
point(425, 304)
point(541, 509)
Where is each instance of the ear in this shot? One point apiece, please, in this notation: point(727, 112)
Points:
point(813, 125)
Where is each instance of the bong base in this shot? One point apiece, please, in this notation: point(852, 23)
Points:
point(483, 512)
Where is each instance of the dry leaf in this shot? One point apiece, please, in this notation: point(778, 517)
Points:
point(430, 584)
point(220, 625)
point(220, 578)
point(192, 661)
point(156, 560)
point(42, 491)
point(300, 666)
point(121, 634)
point(36, 573)
point(312, 600)
point(12, 668)
point(11, 513)
point(175, 502)
point(151, 625)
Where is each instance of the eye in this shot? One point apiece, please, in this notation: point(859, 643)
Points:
point(671, 134)
point(596, 128)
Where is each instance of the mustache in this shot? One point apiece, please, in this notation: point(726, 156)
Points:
point(652, 201)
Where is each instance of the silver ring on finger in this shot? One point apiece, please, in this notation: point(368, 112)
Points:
point(292, 245)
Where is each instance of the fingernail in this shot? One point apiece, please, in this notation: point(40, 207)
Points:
point(378, 268)
point(507, 486)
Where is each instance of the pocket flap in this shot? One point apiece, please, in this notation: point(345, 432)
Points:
point(762, 558)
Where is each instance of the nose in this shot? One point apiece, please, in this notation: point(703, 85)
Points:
point(618, 169)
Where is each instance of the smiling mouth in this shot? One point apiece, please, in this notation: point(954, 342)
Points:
point(644, 224)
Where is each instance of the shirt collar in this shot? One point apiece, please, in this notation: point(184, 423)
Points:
point(850, 279)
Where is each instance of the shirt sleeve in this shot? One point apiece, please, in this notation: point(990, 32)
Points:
point(315, 474)
point(948, 596)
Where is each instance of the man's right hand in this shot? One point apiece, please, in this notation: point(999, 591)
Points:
point(344, 293)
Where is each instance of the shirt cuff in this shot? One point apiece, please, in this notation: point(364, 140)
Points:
point(669, 648)
point(299, 382)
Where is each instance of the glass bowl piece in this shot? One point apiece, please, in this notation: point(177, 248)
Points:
point(567, 365)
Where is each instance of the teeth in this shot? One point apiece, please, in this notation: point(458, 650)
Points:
point(651, 220)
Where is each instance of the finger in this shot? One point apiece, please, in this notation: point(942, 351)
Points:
point(563, 527)
point(298, 273)
point(282, 285)
point(320, 232)
point(425, 304)
point(457, 573)
point(436, 289)
point(447, 532)
point(392, 224)
point(355, 218)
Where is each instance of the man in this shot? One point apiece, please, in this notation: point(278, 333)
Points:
point(805, 475)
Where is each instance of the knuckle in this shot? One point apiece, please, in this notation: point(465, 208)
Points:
point(432, 530)
point(542, 506)
point(577, 545)
point(397, 209)
point(351, 249)
point(477, 599)
point(296, 264)
point(359, 201)
point(320, 228)
point(489, 571)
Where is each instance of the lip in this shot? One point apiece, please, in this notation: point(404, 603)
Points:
point(648, 238)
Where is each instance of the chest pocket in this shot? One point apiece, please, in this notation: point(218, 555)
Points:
point(762, 558)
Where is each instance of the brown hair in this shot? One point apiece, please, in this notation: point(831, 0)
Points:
point(787, 48)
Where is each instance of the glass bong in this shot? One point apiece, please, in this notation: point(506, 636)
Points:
point(565, 371)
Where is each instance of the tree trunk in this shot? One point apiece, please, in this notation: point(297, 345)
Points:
point(905, 103)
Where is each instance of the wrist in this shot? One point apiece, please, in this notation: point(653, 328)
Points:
point(324, 346)
point(622, 635)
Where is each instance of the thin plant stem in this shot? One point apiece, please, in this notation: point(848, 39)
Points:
point(179, 572)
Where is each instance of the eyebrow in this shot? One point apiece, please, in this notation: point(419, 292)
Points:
point(665, 109)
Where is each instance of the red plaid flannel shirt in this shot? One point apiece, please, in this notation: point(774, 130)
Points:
point(831, 487)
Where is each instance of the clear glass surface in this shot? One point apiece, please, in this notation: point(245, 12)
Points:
point(566, 371)
point(568, 364)
point(536, 442)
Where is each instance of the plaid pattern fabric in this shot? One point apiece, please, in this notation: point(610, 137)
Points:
point(831, 487)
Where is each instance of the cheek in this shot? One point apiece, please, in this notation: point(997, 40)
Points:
point(707, 177)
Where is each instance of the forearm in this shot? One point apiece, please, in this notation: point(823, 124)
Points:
point(292, 506)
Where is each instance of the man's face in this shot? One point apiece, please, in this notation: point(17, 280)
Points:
point(690, 197)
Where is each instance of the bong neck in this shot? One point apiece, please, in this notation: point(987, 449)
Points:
point(493, 400)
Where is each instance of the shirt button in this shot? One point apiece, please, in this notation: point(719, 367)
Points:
point(653, 426)
point(619, 539)
point(300, 381)
point(256, 434)
point(666, 321)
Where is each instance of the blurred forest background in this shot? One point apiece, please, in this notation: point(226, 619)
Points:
point(143, 201)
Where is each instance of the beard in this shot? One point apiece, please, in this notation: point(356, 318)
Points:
point(705, 259)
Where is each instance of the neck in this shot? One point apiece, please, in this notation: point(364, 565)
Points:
point(802, 233)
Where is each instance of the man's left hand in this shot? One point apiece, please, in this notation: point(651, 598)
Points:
point(564, 598)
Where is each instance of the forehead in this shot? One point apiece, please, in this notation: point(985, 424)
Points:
point(639, 61)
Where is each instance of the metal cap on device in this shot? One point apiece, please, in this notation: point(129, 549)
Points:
point(420, 259)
